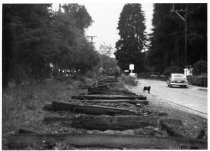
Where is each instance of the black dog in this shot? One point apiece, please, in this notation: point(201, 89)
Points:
point(147, 89)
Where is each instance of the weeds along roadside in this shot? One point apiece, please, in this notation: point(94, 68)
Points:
point(22, 106)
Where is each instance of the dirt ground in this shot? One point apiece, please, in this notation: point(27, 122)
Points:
point(192, 123)
point(30, 115)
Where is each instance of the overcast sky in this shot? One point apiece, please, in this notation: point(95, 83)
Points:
point(106, 17)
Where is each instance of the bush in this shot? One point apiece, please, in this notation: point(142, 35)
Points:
point(111, 72)
point(144, 75)
point(198, 80)
point(172, 69)
point(152, 75)
point(200, 67)
point(129, 80)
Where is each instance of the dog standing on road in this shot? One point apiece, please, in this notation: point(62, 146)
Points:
point(147, 89)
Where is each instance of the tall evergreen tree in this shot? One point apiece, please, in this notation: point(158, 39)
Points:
point(34, 36)
point(197, 36)
point(75, 52)
point(168, 38)
point(26, 40)
point(132, 37)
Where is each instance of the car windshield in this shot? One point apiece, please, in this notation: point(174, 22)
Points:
point(178, 75)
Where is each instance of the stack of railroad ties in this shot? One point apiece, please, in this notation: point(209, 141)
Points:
point(107, 108)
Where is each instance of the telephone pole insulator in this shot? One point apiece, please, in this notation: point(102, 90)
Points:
point(91, 39)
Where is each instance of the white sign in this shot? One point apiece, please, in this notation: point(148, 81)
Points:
point(131, 66)
point(51, 65)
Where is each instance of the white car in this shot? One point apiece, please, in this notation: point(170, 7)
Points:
point(177, 79)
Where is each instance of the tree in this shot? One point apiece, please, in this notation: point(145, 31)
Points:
point(105, 49)
point(107, 63)
point(167, 40)
point(200, 67)
point(26, 40)
point(197, 36)
point(74, 51)
point(80, 15)
point(132, 38)
point(34, 36)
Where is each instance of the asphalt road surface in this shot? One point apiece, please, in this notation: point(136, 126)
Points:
point(193, 97)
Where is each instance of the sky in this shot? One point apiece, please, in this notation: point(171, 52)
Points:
point(106, 17)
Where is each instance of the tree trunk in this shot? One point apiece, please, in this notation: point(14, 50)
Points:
point(89, 109)
point(134, 102)
point(108, 97)
point(173, 127)
point(105, 141)
point(106, 122)
point(110, 92)
point(107, 85)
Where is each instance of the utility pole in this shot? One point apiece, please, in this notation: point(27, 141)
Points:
point(185, 11)
point(91, 39)
point(59, 10)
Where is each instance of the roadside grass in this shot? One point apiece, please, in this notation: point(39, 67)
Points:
point(129, 80)
point(22, 106)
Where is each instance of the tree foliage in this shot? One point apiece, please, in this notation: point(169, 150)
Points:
point(200, 67)
point(167, 40)
point(107, 65)
point(105, 49)
point(132, 38)
point(74, 49)
point(34, 36)
point(26, 40)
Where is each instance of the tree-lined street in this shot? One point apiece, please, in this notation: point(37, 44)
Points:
point(62, 92)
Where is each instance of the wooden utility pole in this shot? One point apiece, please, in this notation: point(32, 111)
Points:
point(185, 11)
point(59, 9)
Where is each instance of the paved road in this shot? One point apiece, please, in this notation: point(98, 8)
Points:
point(192, 97)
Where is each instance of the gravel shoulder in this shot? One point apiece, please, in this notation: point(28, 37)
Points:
point(193, 123)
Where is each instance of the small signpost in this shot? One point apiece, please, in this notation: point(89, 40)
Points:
point(131, 67)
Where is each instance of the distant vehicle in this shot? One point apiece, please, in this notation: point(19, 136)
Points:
point(177, 79)
point(153, 76)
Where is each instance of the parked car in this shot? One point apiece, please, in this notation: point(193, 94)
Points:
point(177, 79)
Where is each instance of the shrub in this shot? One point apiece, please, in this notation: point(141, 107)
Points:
point(144, 75)
point(129, 80)
point(172, 69)
point(198, 80)
point(200, 67)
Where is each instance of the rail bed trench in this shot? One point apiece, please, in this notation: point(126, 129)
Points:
point(107, 117)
